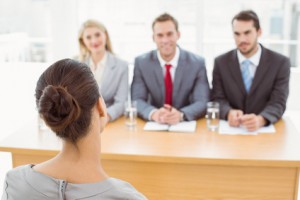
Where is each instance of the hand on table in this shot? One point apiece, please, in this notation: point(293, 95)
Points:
point(167, 115)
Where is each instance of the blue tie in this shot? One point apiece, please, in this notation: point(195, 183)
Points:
point(246, 74)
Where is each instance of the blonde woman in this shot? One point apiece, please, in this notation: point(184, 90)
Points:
point(110, 72)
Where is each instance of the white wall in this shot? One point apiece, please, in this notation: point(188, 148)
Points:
point(205, 25)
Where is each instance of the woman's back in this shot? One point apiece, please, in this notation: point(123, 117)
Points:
point(68, 99)
point(23, 182)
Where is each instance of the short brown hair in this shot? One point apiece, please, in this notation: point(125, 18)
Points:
point(65, 96)
point(247, 15)
point(165, 17)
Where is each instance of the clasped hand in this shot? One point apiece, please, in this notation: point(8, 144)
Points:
point(251, 122)
point(166, 115)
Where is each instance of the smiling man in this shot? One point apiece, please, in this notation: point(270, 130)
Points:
point(251, 83)
point(169, 84)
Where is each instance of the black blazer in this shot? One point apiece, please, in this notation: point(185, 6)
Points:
point(269, 90)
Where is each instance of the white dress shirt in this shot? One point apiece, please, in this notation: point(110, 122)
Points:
point(173, 62)
point(254, 60)
point(98, 69)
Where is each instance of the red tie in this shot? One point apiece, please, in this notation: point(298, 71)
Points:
point(168, 85)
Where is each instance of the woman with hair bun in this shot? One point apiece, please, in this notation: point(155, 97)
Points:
point(68, 99)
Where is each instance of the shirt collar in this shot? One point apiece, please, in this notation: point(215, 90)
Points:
point(101, 63)
point(173, 62)
point(253, 59)
point(51, 186)
point(104, 59)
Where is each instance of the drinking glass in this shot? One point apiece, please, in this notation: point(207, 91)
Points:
point(41, 124)
point(130, 113)
point(212, 116)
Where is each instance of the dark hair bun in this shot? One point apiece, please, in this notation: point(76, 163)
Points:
point(58, 108)
point(65, 95)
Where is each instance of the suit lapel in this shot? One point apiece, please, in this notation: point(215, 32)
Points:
point(179, 73)
point(107, 75)
point(262, 69)
point(235, 70)
point(156, 70)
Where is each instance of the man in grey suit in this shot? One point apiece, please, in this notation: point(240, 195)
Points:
point(169, 84)
point(251, 83)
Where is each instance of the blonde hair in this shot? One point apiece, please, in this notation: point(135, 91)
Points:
point(84, 52)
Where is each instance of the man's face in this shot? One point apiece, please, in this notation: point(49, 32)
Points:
point(165, 36)
point(245, 36)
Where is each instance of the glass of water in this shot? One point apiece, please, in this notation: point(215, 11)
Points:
point(41, 124)
point(213, 116)
point(130, 113)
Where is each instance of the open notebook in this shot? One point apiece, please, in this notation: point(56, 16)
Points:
point(180, 127)
point(224, 128)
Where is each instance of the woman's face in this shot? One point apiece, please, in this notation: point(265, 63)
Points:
point(94, 39)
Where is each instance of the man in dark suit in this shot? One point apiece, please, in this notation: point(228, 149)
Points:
point(169, 84)
point(251, 83)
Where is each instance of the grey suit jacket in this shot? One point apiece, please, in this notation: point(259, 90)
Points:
point(114, 85)
point(269, 90)
point(190, 86)
point(25, 183)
